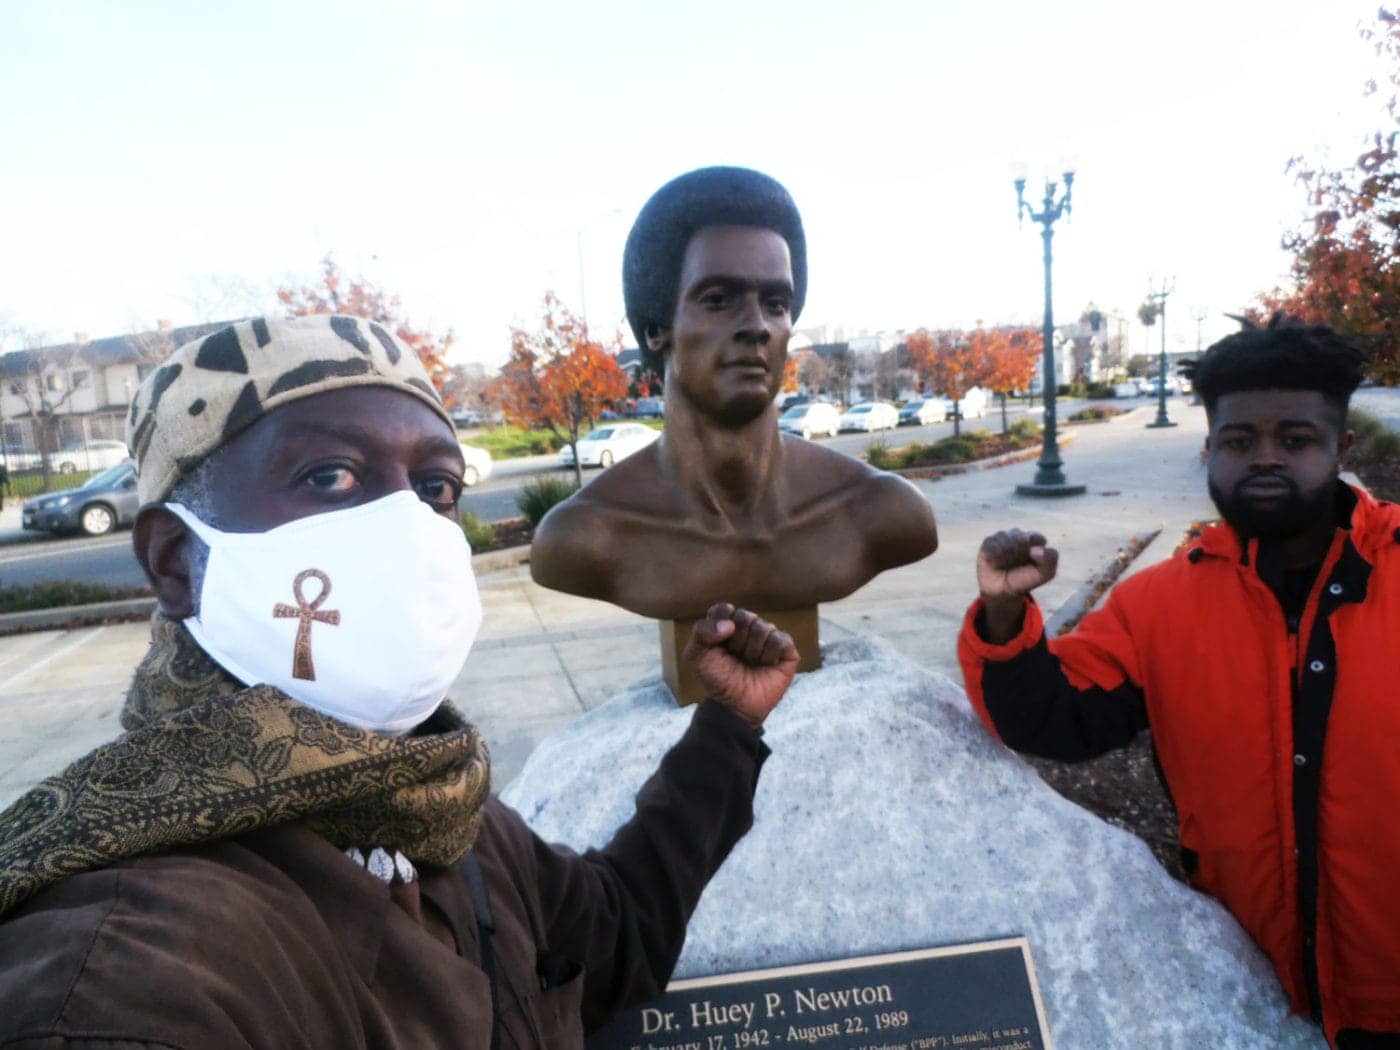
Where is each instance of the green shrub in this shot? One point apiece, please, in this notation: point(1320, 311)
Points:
point(479, 533)
point(1384, 445)
point(1374, 440)
point(1099, 391)
point(948, 450)
point(877, 454)
point(54, 594)
point(1095, 413)
point(1024, 430)
point(537, 496)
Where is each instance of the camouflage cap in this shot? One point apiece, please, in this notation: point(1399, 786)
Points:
point(213, 388)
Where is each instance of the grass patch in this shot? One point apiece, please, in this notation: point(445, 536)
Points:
point(54, 594)
point(877, 454)
point(537, 496)
point(507, 442)
point(24, 486)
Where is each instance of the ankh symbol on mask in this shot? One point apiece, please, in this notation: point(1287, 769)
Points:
point(306, 612)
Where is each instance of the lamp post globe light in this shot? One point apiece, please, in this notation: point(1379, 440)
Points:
point(1049, 476)
point(1161, 297)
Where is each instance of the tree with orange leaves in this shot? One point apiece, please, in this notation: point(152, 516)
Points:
point(335, 293)
point(558, 378)
point(789, 376)
point(1013, 354)
point(1346, 257)
point(950, 363)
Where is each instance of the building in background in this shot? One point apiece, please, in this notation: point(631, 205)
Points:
point(64, 397)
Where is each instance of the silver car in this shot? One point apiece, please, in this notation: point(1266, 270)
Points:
point(96, 508)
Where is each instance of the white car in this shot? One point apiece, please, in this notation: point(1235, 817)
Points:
point(94, 455)
point(923, 411)
point(814, 417)
point(870, 416)
point(478, 466)
point(973, 404)
point(606, 445)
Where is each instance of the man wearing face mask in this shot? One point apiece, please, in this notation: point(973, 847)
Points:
point(294, 843)
point(1265, 660)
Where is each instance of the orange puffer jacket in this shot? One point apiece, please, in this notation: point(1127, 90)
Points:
point(1279, 741)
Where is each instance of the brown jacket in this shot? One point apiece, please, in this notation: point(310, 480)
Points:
point(277, 939)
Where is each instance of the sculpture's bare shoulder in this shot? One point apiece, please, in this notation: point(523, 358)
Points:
point(889, 513)
point(579, 545)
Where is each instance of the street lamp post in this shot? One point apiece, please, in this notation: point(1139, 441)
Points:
point(1049, 476)
point(1161, 297)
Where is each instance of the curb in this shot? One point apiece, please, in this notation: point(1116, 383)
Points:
point(68, 616)
point(1077, 605)
point(491, 561)
point(1006, 459)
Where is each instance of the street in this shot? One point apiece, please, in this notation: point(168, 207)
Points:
point(494, 499)
point(108, 560)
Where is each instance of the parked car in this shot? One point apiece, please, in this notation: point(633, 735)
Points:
point(106, 501)
point(973, 404)
point(811, 417)
point(1126, 389)
point(870, 416)
point(649, 408)
point(787, 401)
point(606, 445)
point(922, 411)
point(478, 466)
point(94, 455)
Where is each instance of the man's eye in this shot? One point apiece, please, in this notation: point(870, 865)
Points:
point(779, 304)
point(1237, 444)
point(441, 492)
point(332, 479)
point(1296, 443)
point(716, 299)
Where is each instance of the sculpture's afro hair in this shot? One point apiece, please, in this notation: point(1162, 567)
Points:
point(1284, 354)
point(651, 262)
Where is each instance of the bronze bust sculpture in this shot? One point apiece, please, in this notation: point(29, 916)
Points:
point(724, 507)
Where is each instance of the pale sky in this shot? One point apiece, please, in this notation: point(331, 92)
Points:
point(179, 160)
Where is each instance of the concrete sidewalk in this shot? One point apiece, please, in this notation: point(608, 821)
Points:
point(544, 658)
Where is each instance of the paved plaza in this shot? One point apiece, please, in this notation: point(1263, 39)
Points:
point(544, 658)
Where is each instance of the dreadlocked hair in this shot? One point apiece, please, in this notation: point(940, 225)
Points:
point(1284, 354)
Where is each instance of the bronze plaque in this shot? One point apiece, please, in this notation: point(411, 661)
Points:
point(981, 996)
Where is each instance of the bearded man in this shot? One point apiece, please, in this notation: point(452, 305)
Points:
point(1270, 636)
point(294, 843)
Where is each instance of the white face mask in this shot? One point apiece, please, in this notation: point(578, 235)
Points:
point(366, 614)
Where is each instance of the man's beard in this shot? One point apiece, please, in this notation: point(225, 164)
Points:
point(1291, 516)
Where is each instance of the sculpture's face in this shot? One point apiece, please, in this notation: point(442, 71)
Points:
point(727, 346)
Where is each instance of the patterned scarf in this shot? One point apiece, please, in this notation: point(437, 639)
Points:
point(205, 758)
